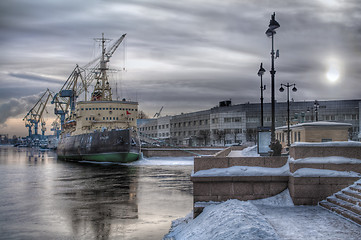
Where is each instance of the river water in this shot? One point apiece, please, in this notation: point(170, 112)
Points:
point(45, 198)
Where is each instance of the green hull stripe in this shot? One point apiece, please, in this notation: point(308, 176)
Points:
point(103, 157)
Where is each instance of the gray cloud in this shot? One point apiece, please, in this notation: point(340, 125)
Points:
point(15, 107)
point(188, 54)
point(36, 77)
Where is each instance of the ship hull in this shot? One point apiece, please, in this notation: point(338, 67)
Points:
point(108, 146)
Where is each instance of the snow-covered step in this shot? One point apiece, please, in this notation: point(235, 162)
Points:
point(349, 198)
point(352, 193)
point(356, 187)
point(349, 206)
point(346, 202)
point(342, 211)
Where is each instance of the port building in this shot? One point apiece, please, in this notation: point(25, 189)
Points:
point(231, 124)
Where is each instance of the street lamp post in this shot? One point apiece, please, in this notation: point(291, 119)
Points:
point(260, 73)
point(273, 25)
point(294, 89)
point(315, 108)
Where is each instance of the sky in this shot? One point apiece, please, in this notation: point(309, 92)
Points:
point(183, 55)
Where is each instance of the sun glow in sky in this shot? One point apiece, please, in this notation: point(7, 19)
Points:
point(333, 74)
point(333, 70)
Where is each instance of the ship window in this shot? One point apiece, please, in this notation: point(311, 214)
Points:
point(103, 118)
point(86, 118)
point(107, 108)
point(103, 108)
point(136, 110)
point(117, 118)
point(82, 109)
point(93, 118)
point(107, 118)
point(96, 108)
point(86, 108)
point(117, 109)
point(113, 118)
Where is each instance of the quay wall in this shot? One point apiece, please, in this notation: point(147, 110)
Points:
point(346, 149)
point(178, 152)
point(304, 190)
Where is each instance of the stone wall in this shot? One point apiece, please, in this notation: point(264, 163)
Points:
point(243, 188)
point(177, 152)
point(311, 190)
point(336, 167)
point(209, 162)
point(352, 150)
point(303, 190)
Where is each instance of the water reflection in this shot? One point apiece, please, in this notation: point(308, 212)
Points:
point(44, 198)
point(96, 196)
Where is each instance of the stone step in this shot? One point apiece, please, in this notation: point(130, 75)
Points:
point(352, 193)
point(347, 198)
point(356, 188)
point(344, 204)
point(340, 210)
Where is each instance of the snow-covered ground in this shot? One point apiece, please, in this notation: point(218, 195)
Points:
point(164, 161)
point(271, 218)
point(247, 152)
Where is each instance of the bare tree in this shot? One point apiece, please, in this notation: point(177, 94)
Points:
point(142, 115)
point(204, 135)
point(220, 135)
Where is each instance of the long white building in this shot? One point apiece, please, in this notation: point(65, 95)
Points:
point(235, 124)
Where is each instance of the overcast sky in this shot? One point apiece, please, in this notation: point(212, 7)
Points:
point(184, 55)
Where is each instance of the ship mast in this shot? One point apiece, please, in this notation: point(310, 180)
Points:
point(102, 90)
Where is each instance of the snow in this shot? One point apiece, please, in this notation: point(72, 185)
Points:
point(283, 199)
point(318, 124)
point(247, 152)
point(270, 218)
point(328, 144)
point(243, 171)
point(311, 172)
point(232, 219)
point(326, 160)
point(152, 161)
point(164, 161)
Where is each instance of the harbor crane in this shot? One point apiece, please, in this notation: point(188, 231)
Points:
point(158, 113)
point(35, 115)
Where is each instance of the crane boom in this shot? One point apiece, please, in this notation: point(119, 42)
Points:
point(35, 115)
